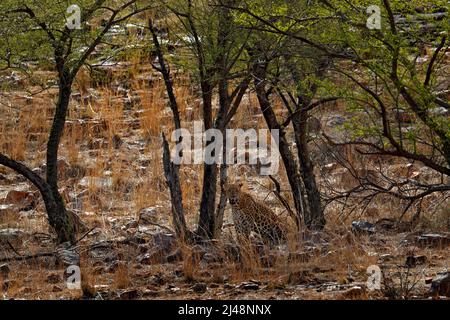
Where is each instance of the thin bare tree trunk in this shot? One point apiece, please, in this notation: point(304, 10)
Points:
point(61, 222)
point(207, 225)
point(223, 199)
point(171, 170)
point(289, 162)
point(314, 216)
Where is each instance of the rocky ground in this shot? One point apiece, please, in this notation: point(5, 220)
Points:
point(111, 177)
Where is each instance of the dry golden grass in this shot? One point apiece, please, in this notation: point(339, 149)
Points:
point(153, 106)
point(135, 186)
point(121, 277)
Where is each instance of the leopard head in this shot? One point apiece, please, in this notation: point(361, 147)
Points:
point(233, 191)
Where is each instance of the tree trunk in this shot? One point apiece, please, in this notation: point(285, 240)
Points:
point(289, 162)
point(63, 226)
point(206, 224)
point(314, 216)
point(223, 199)
point(165, 71)
point(171, 171)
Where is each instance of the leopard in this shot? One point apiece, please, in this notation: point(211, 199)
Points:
point(252, 215)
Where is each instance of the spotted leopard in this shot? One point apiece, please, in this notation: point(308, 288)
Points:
point(252, 215)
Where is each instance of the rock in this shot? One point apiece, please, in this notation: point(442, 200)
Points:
point(440, 286)
point(412, 261)
point(199, 287)
point(173, 289)
point(4, 271)
point(439, 111)
point(433, 240)
point(150, 293)
point(249, 286)
point(363, 227)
